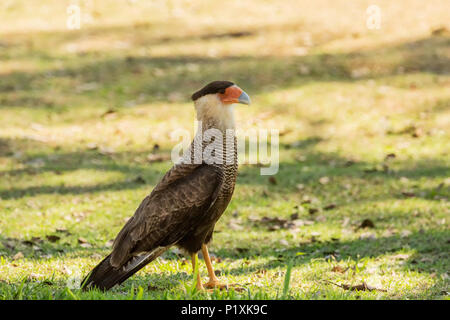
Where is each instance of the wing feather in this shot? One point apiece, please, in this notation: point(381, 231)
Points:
point(175, 206)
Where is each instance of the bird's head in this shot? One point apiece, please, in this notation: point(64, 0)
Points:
point(215, 100)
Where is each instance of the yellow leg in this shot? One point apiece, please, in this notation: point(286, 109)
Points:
point(213, 281)
point(194, 259)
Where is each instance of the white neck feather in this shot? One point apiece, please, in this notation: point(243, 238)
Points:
point(213, 113)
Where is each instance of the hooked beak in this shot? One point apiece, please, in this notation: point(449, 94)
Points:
point(244, 98)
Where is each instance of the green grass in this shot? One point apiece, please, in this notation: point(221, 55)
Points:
point(81, 110)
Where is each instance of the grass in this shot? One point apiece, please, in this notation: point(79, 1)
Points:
point(81, 110)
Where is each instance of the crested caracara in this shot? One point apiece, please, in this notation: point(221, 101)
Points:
point(185, 205)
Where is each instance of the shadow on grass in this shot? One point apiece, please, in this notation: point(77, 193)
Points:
point(431, 255)
point(290, 174)
point(122, 79)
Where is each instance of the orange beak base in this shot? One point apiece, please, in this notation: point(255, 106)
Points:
point(233, 94)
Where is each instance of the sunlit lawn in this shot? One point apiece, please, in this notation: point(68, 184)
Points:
point(363, 117)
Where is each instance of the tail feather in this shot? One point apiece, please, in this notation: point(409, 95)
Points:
point(104, 276)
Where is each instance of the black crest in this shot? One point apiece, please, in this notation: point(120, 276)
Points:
point(213, 87)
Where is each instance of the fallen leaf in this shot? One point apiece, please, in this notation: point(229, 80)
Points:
point(367, 236)
point(261, 273)
point(349, 163)
point(63, 230)
point(401, 256)
point(389, 156)
point(92, 146)
point(367, 223)
point(106, 151)
point(108, 112)
point(346, 221)
point(19, 255)
point(52, 238)
point(28, 242)
point(152, 288)
point(408, 194)
point(321, 218)
point(405, 233)
point(359, 287)
point(439, 31)
point(159, 157)
point(418, 132)
point(82, 240)
point(330, 206)
point(139, 180)
point(324, 180)
point(233, 225)
point(404, 180)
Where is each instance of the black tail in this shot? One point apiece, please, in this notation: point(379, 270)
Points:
point(104, 276)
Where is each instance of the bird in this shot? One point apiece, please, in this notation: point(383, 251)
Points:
point(183, 208)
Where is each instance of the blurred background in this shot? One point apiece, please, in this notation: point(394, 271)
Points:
point(361, 98)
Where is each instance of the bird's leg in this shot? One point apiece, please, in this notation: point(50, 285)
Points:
point(194, 259)
point(213, 280)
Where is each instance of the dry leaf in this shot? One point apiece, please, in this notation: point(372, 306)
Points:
point(389, 156)
point(152, 288)
point(324, 180)
point(359, 287)
point(52, 238)
point(368, 236)
point(367, 223)
point(106, 151)
point(401, 256)
point(63, 230)
point(82, 240)
point(234, 225)
point(330, 206)
point(158, 157)
point(408, 194)
point(108, 112)
point(139, 180)
point(405, 233)
point(19, 255)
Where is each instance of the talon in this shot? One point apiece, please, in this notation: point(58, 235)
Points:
point(216, 284)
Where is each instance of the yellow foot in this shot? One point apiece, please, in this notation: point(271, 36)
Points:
point(215, 284)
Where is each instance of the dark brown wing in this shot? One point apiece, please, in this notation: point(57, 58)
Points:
point(174, 208)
